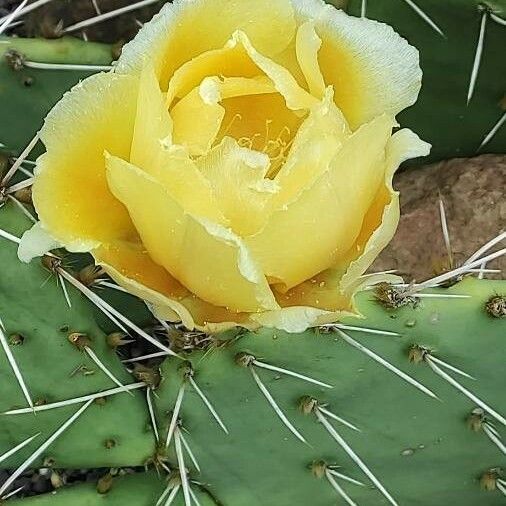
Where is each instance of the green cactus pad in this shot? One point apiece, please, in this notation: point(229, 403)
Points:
point(28, 94)
point(138, 490)
point(32, 305)
point(421, 449)
point(441, 116)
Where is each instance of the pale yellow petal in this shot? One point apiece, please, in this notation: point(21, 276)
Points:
point(372, 68)
point(70, 190)
point(316, 143)
point(307, 46)
point(236, 175)
point(196, 122)
point(132, 268)
point(208, 259)
point(153, 151)
point(382, 219)
point(186, 28)
point(296, 97)
point(328, 215)
point(153, 124)
point(232, 60)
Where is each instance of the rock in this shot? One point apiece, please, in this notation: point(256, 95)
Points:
point(473, 192)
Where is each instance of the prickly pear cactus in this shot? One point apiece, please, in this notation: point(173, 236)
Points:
point(404, 406)
point(447, 34)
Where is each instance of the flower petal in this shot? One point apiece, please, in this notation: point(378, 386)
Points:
point(372, 68)
point(184, 29)
point(154, 152)
point(307, 46)
point(381, 221)
point(208, 259)
point(316, 143)
point(236, 175)
point(328, 214)
point(70, 191)
point(132, 268)
point(35, 242)
point(196, 122)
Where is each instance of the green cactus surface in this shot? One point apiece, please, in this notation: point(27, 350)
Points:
point(442, 116)
point(38, 323)
point(28, 94)
point(420, 448)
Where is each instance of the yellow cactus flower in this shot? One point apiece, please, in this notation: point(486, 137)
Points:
point(235, 168)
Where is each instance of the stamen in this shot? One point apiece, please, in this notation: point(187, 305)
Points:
point(20, 446)
point(387, 364)
point(263, 365)
point(76, 400)
point(478, 55)
point(344, 445)
point(208, 404)
point(14, 365)
point(466, 392)
point(275, 406)
point(42, 448)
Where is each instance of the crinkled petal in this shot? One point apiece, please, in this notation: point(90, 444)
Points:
point(307, 46)
point(236, 175)
point(154, 152)
point(208, 259)
point(372, 68)
point(328, 214)
point(36, 242)
point(186, 28)
point(382, 219)
point(70, 191)
point(132, 268)
point(295, 96)
point(316, 143)
point(196, 122)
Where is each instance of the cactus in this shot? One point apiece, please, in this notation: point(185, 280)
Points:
point(447, 61)
point(374, 411)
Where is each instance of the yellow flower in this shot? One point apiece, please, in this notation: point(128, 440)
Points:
point(236, 166)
